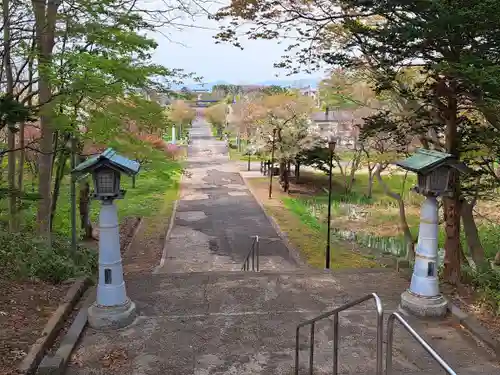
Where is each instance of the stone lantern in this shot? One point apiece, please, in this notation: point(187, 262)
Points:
point(112, 308)
point(434, 170)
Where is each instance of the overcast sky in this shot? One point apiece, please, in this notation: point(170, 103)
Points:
point(194, 50)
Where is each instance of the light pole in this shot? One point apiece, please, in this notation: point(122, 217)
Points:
point(249, 159)
point(271, 167)
point(332, 142)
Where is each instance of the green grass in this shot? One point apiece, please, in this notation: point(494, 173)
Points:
point(156, 185)
point(359, 191)
point(236, 155)
point(156, 188)
point(307, 234)
point(23, 255)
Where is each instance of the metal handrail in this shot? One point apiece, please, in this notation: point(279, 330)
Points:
point(253, 255)
point(335, 313)
point(390, 338)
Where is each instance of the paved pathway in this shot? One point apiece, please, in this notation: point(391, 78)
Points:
point(236, 323)
point(223, 322)
point(217, 215)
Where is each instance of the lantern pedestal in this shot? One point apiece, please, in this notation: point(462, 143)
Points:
point(111, 317)
point(112, 309)
point(423, 297)
point(424, 306)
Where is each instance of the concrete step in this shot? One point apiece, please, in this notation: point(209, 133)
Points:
point(299, 290)
point(223, 323)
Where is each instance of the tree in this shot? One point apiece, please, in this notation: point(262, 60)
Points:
point(216, 115)
point(284, 121)
point(243, 116)
point(182, 115)
point(454, 44)
point(76, 72)
point(275, 90)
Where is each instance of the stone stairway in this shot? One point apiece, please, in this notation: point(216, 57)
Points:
point(218, 323)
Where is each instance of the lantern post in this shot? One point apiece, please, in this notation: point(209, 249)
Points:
point(112, 308)
point(434, 170)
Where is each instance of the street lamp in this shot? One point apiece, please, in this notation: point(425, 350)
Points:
point(332, 142)
point(271, 169)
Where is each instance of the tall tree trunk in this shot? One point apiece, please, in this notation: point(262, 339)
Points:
point(60, 172)
point(45, 20)
point(471, 232)
point(284, 176)
point(11, 135)
point(21, 161)
point(282, 173)
point(453, 248)
point(84, 205)
point(22, 141)
point(354, 168)
point(369, 193)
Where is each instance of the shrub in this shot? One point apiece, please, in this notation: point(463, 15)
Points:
point(23, 256)
point(486, 281)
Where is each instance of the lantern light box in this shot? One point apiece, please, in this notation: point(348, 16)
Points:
point(106, 169)
point(434, 170)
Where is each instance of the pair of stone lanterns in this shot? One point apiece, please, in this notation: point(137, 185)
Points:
point(112, 308)
point(435, 171)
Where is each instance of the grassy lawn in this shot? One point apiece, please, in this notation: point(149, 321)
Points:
point(305, 232)
point(156, 189)
point(236, 155)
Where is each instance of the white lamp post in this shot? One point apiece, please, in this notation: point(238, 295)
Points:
point(434, 170)
point(173, 134)
point(112, 308)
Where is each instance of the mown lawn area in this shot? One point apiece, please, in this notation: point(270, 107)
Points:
point(236, 155)
point(306, 233)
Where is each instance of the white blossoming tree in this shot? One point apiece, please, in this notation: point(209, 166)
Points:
point(285, 122)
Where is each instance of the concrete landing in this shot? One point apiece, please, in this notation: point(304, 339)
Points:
point(223, 323)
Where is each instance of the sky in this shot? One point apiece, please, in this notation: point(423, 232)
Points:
point(194, 50)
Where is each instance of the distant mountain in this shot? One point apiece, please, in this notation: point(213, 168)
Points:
point(292, 83)
point(296, 84)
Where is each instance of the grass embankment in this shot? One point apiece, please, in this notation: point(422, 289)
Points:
point(305, 232)
point(379, 215)
point(25, 256)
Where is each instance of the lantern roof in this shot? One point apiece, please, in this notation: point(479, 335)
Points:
point(111, 158)
point(425, 161)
